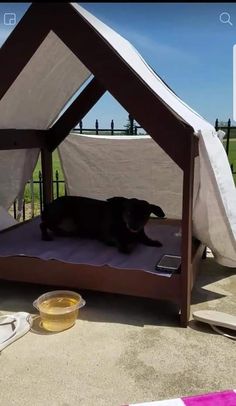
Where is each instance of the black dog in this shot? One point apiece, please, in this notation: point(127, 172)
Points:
point(118, 221)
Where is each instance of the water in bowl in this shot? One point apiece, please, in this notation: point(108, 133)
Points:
point(55, 316)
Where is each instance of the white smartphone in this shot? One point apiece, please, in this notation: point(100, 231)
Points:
point(169, 263)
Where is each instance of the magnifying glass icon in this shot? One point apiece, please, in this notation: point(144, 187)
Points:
point(225, 18)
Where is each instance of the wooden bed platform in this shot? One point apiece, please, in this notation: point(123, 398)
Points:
point(104, 278)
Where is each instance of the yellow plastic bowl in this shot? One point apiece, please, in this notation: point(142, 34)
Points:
point(59, 309)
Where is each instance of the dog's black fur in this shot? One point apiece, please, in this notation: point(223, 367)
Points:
point(118, 221)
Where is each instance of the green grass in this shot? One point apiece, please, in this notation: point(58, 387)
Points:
point(56, 166)
point(232, 154)
point(38, 168)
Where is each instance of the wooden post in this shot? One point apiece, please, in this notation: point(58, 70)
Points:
point(40, 192)
point(131, 128)
point(96, 126)
point(112, 127)
point(186, 243)
point(46, 161)
point(204, 254)
point(228, 136)
point(81, 127)
point(57, 184)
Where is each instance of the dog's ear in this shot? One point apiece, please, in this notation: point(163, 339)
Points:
point(117, 201)
point(157, 211)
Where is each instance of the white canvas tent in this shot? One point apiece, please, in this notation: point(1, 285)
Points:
point(49, 56)
point(51, 77)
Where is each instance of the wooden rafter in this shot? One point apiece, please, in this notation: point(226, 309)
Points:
point(21, 44)
point(123, 83)
point(75, 112)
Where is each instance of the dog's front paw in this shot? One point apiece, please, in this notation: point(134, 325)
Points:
point(157, 243)
point(154, 243)
point(125, 249)
point(110, 243)
point(47, 238)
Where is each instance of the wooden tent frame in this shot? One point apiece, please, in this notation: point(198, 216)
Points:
point(174, 136)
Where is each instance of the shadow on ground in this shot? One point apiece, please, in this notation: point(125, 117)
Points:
point(106, 307)
point(211, 273)
point(100, 307)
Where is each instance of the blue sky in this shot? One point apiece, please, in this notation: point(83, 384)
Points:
point(184, 43)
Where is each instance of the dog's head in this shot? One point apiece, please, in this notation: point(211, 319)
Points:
point(135, 212)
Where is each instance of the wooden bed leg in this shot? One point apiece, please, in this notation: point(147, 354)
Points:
point(46, 160)
point(186, 243)
point(184, 316)
point(204, 254)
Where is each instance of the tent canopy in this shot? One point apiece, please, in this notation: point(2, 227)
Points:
point(51, 53)
point(46, 60)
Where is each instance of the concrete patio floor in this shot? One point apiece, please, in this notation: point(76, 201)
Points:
point(122, 350)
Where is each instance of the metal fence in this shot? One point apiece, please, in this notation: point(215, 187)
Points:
point(31, 204)
point(229, 141)
point(131, 128)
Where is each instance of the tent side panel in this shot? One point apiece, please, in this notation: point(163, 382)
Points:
point(23, 42)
